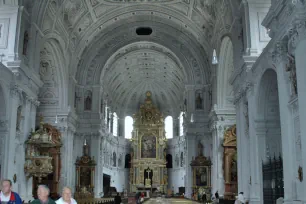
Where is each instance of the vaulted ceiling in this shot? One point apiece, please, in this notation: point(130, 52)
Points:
point(106, 51)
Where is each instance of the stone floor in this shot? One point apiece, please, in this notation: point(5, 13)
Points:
point(168, 201)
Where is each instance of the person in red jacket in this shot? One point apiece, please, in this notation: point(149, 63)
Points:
point(7, 195)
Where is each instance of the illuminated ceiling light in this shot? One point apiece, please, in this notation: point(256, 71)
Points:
point(214, 58)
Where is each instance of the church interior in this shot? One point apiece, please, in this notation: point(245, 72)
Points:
point(172, 100)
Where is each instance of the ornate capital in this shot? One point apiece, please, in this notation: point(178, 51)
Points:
point(4, 124)
point(279, 53)
point(15, 90)
point(297, 33)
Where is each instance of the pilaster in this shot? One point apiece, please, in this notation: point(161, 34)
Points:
point(300, 60)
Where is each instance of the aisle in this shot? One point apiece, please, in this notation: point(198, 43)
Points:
point(168, 201)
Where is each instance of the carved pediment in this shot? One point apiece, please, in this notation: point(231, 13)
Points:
point(148, 113)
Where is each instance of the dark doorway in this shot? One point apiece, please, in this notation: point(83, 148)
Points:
point(273, 182)
point(127, 161)
point(169, 161)
point(106, 184)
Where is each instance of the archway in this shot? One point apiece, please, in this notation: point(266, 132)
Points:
point(270, 144)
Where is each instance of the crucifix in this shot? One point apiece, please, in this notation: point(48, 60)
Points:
point(148, 171)
point(148, 180)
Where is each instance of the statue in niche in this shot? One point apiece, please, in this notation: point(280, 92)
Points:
point(182, 159)
point(177, 160)
point(119, 161)
point(199, 102)
point(25, 42)
point(0, 29)
point(101, 107)
point(291, 68)
point(185, 105)
point(114, 159)
point(88, 101)
point(18, 119)
point(75, 99)
point(200, 149)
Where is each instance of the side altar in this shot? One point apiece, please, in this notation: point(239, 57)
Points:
point(148, 165)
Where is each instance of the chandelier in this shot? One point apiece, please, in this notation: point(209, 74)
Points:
point(38, 162)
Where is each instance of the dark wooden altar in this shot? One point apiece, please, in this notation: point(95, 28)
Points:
point(230, 163)
point(85, 175)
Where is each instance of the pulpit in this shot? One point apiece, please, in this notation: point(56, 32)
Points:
point(201, 173)
point(148, 165)
point(42, 160)
point(85, 175)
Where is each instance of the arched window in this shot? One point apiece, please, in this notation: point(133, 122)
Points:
point(169, 127)
point(128, 127)
point(181, 119)
point(115, 124)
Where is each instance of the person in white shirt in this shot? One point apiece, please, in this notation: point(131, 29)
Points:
point(240, 199)
point(66, 197)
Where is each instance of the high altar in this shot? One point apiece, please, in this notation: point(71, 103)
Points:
point(148, 165)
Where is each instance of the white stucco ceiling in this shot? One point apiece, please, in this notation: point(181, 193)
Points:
point(138, 68)
point(100, 34)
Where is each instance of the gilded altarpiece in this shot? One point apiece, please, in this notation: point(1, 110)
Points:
point(148, 165)
point(201, 174)
point(230, 163)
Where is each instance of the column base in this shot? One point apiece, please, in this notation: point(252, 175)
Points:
point(294, 202)
point(255, 201)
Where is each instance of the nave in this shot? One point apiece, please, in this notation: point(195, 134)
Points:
point(183, 98)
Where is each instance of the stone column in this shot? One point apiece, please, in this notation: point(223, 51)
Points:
point(243, 163)
point(68, 167)
point(4, 131)
point(99, 169)
point(255, 168)
point(218, 175)
point(287, 130)
point(300, 60)
point(9, 147)
point(23, 190)
point(190, 142)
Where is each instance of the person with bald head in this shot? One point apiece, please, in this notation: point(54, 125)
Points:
point(66, 197)
point(43, 193)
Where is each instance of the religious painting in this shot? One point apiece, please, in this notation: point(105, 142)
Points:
point(201, 176)
point(148, 147)
point(85, 176)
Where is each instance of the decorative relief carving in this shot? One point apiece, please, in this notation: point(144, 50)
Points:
point(291, 68)
point(4, 25)
point(140, 1)
point(72, 10)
